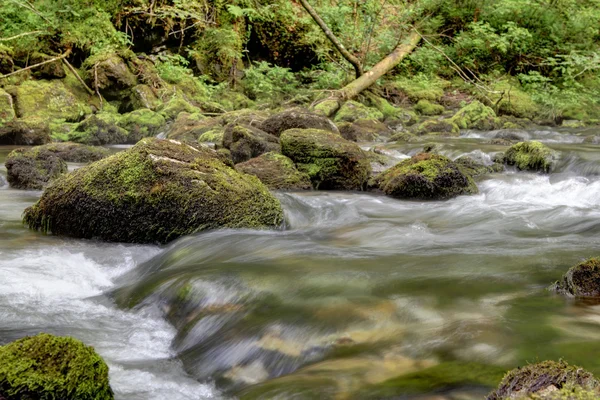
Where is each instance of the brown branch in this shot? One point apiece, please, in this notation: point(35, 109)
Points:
point(96, 85)
point(333, 39)
point(61, 57)
point(20, 35)
point(68, 64)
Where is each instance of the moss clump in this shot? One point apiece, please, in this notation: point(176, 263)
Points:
point(25, 131)
point(426, 176)
point(99, 129)
point(327, 108)
point(177, 105)
point(296, 119)
point(421, 88)
point(582, 280)
point(246, 142)
point(425, 107)
point(441, 127)
point(49, 100)
point(142, 123)
point(514, 101)
point(213, 136)
point(476, 116)
point(7, 109)
point(156, 191)
point(531, 156)
point(33, 168)
point(276, 171)
point(352, 111)
point(51, 367)
point(538, 378)
point(331, 161)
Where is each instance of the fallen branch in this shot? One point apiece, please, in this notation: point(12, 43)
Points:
point(20, 35)
point(68, 64)
point(61, 57)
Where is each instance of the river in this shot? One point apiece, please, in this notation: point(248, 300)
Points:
point(358, 289)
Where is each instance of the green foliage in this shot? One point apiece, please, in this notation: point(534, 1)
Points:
point(173, 68)
point(263, 81)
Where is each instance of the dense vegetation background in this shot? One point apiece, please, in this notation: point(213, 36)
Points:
point(543, 52)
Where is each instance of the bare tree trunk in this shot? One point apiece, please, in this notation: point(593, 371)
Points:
point(354, 88)
point(333, 39)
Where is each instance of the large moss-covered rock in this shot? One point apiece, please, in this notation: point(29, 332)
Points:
point(546, 380)
point(51, 367)
point(296, 119)
point(246, 142)
point(531, 156)
point(109, 73)
point(156, 191)
point(52, 70)
point(190, 127)
point(425, 107)
point(7, 109)
point(276, 171)
point(353, 110)
point(426, 176)
point(143, 96)
point(99, 129)
point(142, 123)
point(33, 168)
point(25, 131)
point(49, 100)
point(476, 116)
point(364, 130)
point(331, 161)
point(581, 280)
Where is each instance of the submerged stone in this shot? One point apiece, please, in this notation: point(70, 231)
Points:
point(545, 380)
point(246, 142)
point(531, 156)
point(156, 191)
point(296, 119)
point(581, 280)
point(276, 171)
point(426, 176)
point(51, 367)
point(331, 161)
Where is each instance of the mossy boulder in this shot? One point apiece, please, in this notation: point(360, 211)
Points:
point(244, 117)
point(443, 127)
point(545, 380)
point(531, 156)
point(110, 73)
point(142, 123)
point(581, 280)
point(143, 96)
point(49, 100)
point(276, 171)
point(426, 176)
point(175, 106)
point(471, 167)
point(364, 130)
point(246, 142)
point(425, 107)
point(330, 161)
point(190, 127)
point(7, 108)
point(215, 136)
point(25, 131)
point(476, 116)
point(403, 137)
point(154, 192)
point(52, 367)
point(353, 110)
point(513, 100)
point(99, 129)
point(52, 70)
point(296, 119)
point(33, 168)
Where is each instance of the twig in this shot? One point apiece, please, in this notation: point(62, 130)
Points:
point(61, 57)
point(30, 7)
point(20, 35)
point(96, 85)
point(68, 64)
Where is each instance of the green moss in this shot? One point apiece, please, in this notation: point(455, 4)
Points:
point(582, 280)
point(99, 129)
point(421, 88)
point(425, 107)
point(364, 130)
point(143, 96)
point(440, 127)
point(7, 110)
point(352, 110)
point(331, 161)
point(213, 136)
point(246, 142)
point(476, 116)
point(514, 101)
point(109, 72)
point(470, 167)
point(531, 156)
point(403, 137)
point(159, 190)
point(447, 375)
point(25, 131)
point(296, 118)
point(141, 123)
point(50, 367)
point(327, 108)
point(231, 100)
point(276, 171)
point(426, 176)
point(535, 378)
point(177, 105)
point(33, 168)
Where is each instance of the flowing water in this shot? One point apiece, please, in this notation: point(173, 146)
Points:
point(362, 296)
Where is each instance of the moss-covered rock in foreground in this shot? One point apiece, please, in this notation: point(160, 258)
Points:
point(156, 191)
point(545, 380)
point(246, 142)
point(581, 280)
point(50, 367)
point(426, 176)
point(276, 171)
point(296, 119)
point(531, 156)
point(33, 168)
point(331, 161)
